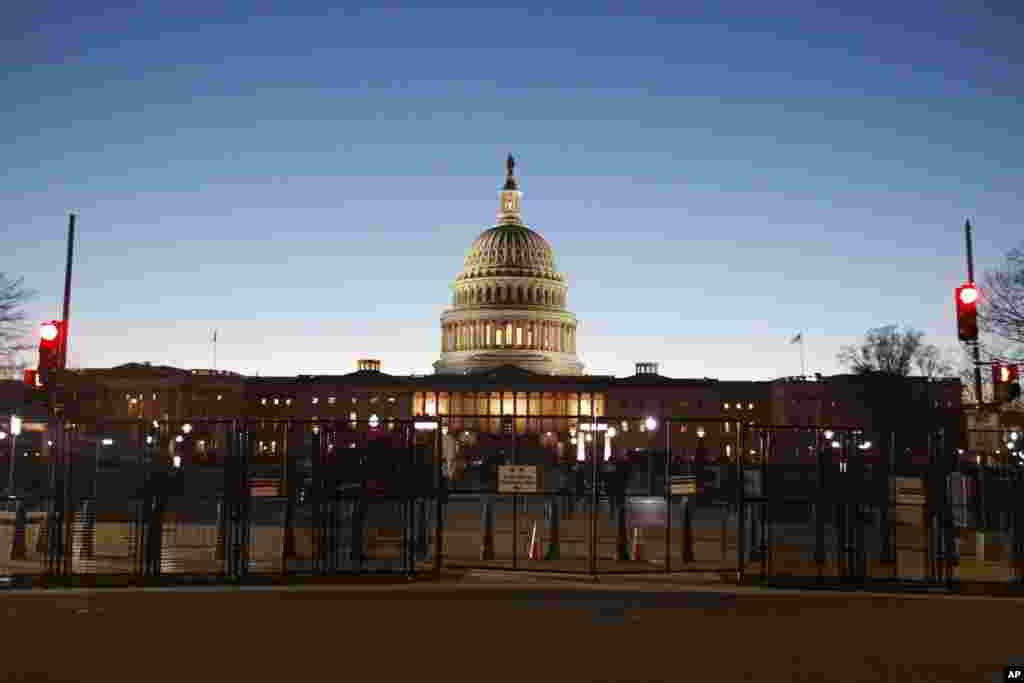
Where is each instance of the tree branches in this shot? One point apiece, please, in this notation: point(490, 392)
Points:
point(13, 327)
point(887, 350)
point(1001, 309)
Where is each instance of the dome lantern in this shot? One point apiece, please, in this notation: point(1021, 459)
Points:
point(508, 210)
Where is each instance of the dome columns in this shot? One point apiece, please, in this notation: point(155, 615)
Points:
point(513, 332)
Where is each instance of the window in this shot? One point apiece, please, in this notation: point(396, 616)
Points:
point(277, 401)
point(331, 400)
point(263, 401)
point(391, 399)
point(316, 399)
point(728, 451)
point(726, 426)
point(219, 397)
point(519, 336)
point(750, 406)
point(373, 399)
point(352, 418)
point(287, 401)
point(355, 400)
point(725, 406)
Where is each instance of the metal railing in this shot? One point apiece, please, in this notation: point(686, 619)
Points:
point(233, 499)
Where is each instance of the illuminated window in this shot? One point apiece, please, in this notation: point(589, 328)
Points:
point(287, 401)
point(277, 401)
point(726, 427)
point(263, 401)
point(391, 399)
point(728, 451)
point(219, 397)
point(353, 417)
point(725, 406)
point(519, 336)
point(316, 399)
point(373, 399)
point(331, 400)
point(750, 406)
point(374, 421)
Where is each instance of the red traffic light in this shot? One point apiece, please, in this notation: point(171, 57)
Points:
point(967, 311)
point(1005, 382)
point(51, 341)
point(968, 294)
point(49, 331)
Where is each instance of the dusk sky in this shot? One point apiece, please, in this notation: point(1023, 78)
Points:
point(712, 180)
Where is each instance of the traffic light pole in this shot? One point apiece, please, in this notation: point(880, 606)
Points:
point(975, 346)
point(66, 317)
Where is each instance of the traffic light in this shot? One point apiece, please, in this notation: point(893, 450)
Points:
point(967, 311)
point(51, 339)
point(1005, 382)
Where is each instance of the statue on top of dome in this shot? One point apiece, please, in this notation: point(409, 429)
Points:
point(510, 180)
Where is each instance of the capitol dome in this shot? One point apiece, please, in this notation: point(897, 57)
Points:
point(510, 250)
point(508, 306)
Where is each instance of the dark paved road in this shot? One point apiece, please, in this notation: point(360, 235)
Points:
point(486, 632)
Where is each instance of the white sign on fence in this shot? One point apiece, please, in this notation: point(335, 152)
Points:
point(517, 479)
point(685, 485)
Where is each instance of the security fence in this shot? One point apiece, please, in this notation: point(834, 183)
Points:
point(810, 505)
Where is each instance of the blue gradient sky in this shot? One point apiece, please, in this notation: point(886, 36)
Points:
point(712, 180)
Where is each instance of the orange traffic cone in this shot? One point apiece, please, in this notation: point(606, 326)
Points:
point(638, 546)
point(534, 553)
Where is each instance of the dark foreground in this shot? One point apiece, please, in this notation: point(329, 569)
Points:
point(504, 632)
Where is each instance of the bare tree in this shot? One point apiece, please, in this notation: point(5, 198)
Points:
point(1001, 309)
point(887, 350)
point(13, 326)
point(933, 363)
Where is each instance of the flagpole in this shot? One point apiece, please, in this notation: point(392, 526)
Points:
point(215, 349)
point(803, 365)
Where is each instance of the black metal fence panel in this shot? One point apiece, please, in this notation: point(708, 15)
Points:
point(811, 505)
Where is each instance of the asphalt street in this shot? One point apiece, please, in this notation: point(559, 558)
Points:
point(485, 630)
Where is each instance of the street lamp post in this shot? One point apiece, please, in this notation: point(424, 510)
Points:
point(15, 431)
point(650, 424)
